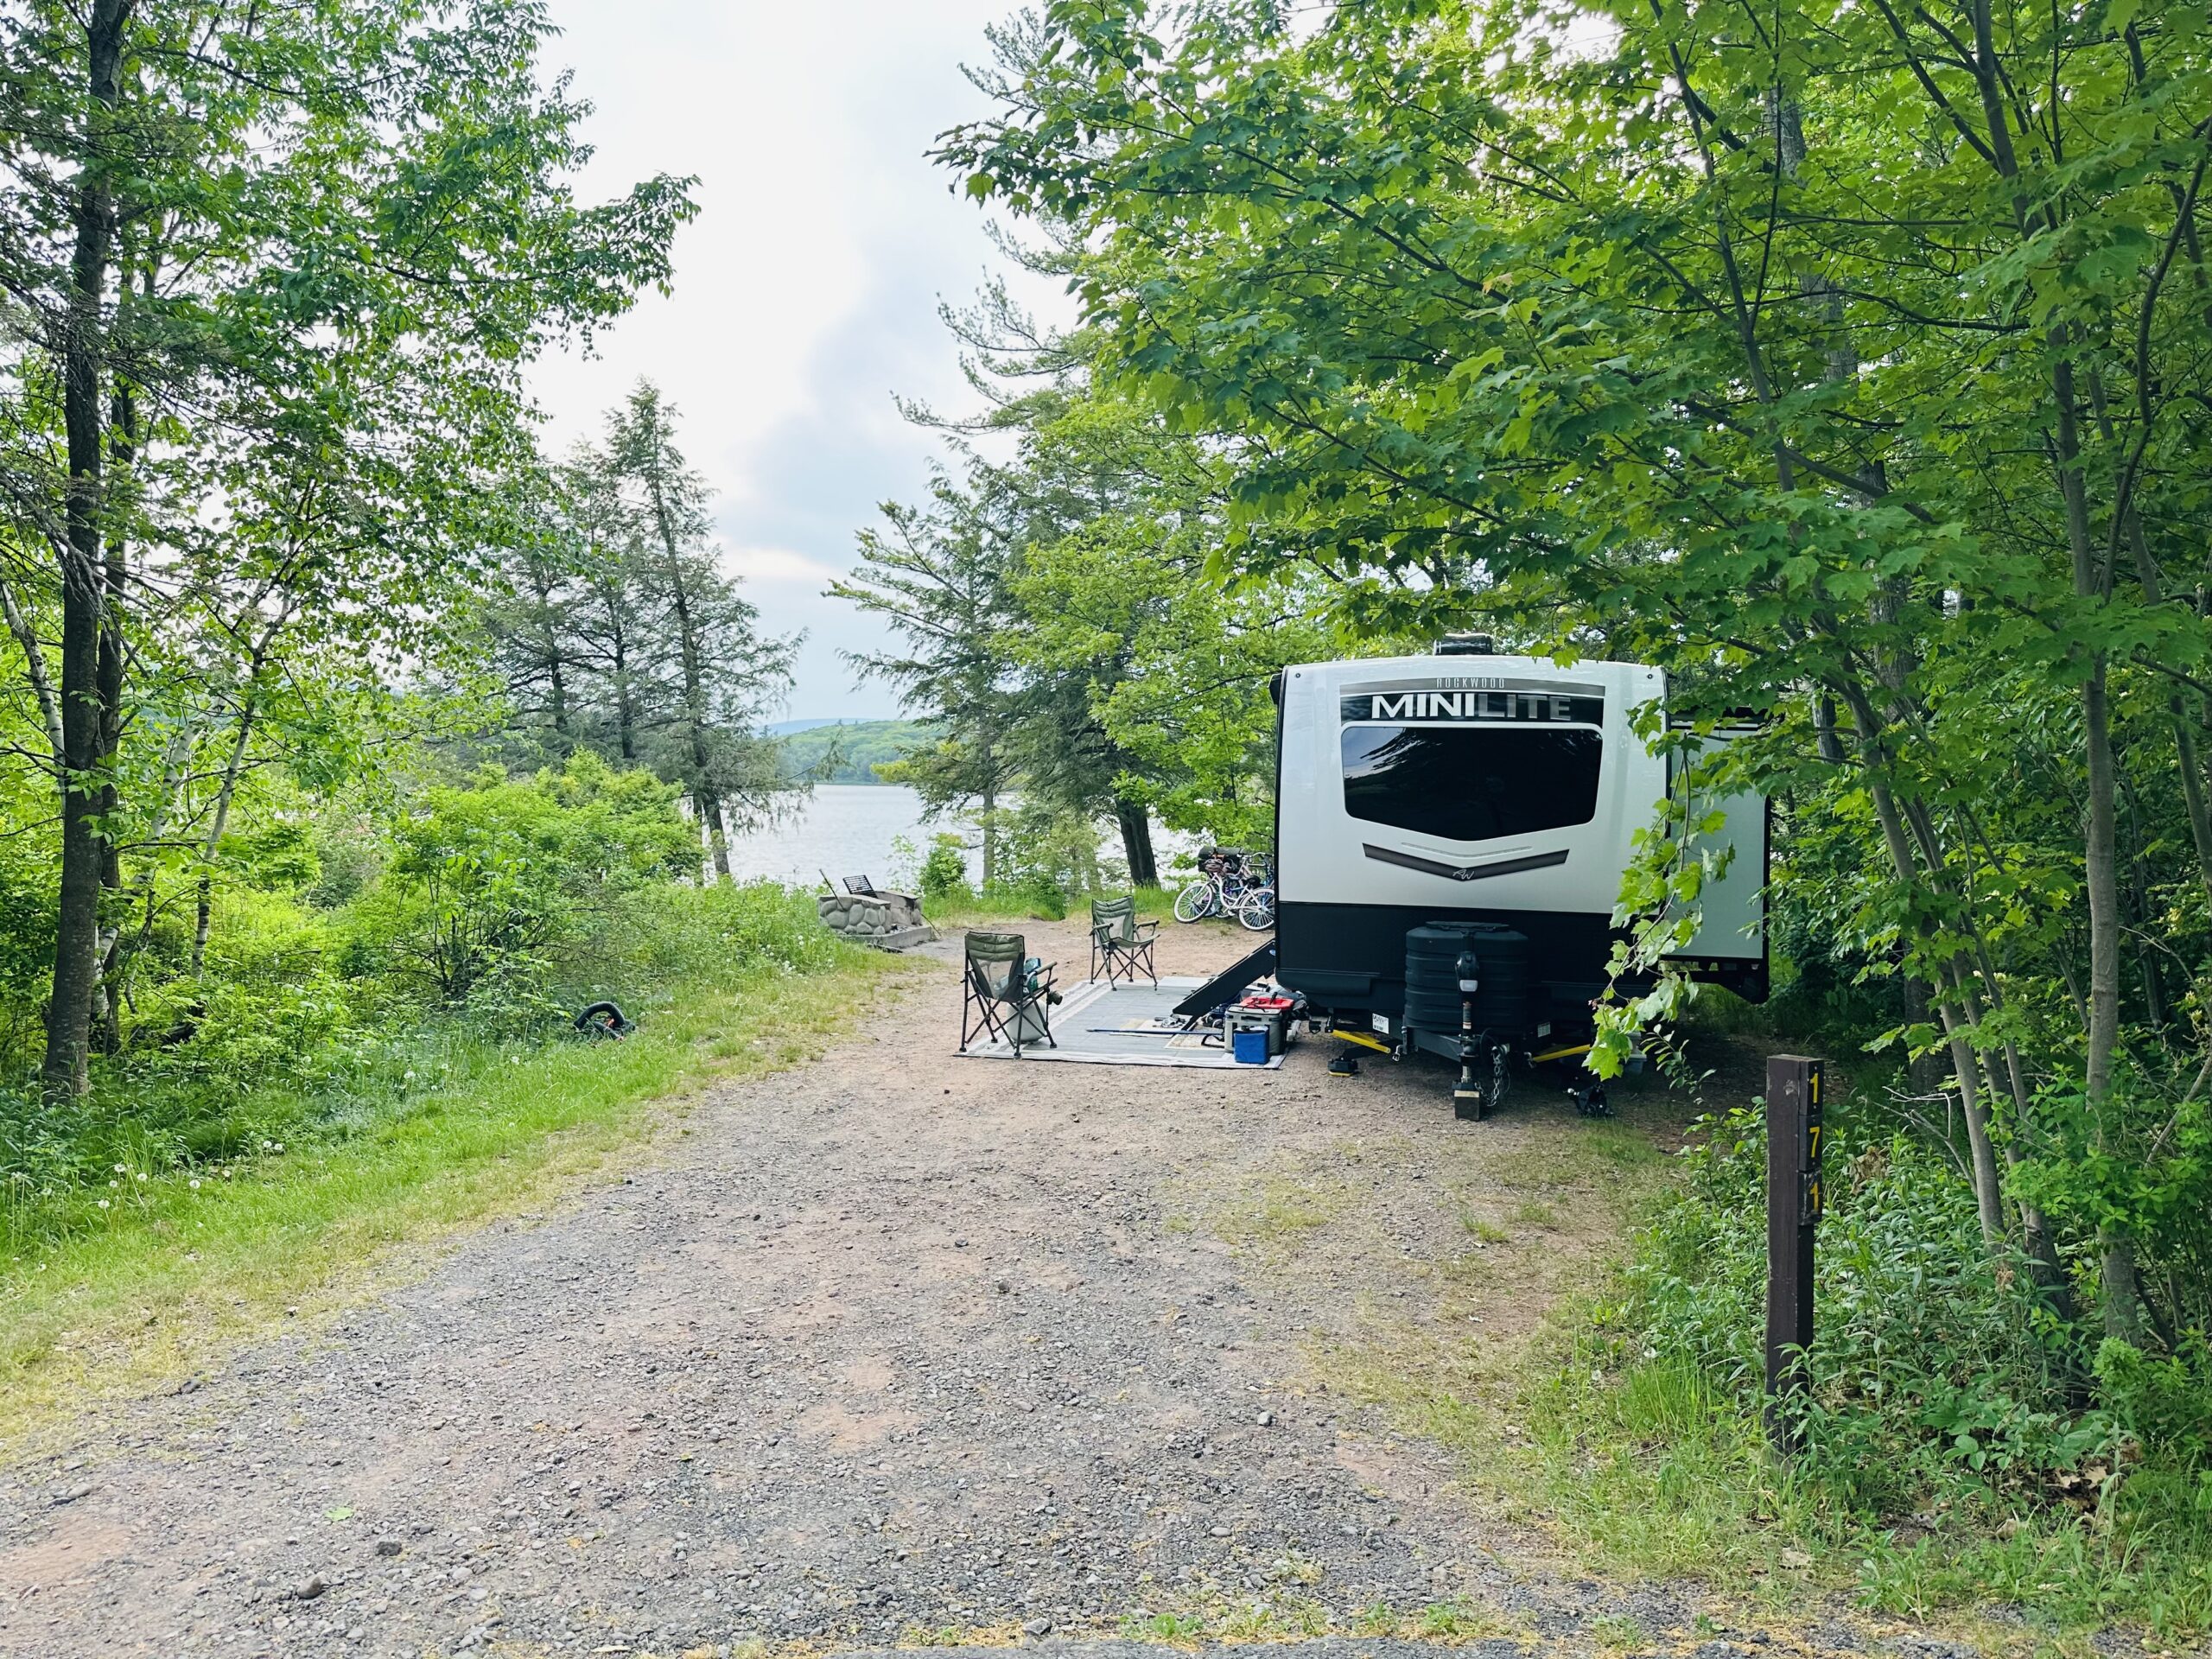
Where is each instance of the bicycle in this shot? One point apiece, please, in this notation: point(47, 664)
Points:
point(1226, 880)
point(1256, 909)
point(1198, 901)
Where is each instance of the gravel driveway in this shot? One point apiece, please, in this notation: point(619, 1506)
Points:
point(897, 1346)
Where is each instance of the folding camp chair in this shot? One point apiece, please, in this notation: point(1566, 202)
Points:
point(1006, 993)
point(1121, 942)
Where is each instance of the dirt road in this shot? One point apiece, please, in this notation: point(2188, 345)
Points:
point(898, 1343)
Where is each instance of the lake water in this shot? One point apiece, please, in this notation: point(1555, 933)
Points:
point(844, 829)
point(854, 829)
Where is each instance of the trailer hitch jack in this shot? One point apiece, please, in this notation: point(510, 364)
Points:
point(1467, 1100)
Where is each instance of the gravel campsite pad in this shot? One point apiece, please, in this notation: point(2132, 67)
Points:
point(894, 1347)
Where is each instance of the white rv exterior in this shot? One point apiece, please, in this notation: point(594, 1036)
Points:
point(1505, 789)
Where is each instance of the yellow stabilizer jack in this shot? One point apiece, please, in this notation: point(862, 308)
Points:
point(1561, 1053)
point(1362, 1040)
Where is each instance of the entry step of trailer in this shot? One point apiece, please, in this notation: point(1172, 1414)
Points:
point(1228, 984)
point(1099, 1024)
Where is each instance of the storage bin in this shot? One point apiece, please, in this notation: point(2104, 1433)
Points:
point(1251, 1047)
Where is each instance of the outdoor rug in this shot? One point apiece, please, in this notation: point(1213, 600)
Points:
point(1098, 1024)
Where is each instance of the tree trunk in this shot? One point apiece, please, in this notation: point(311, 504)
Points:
point(1989, 1203)
point(556, 667)
point(224, 795)
point(84, 721)
point(2101, 837)
point(49, 705)
point(690, 654)
point(711, 810)
point(1136, 842)
point(990, 824)
point(617, 645)
point(1925, 1070)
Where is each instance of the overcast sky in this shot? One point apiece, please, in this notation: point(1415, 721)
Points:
point(806, 291)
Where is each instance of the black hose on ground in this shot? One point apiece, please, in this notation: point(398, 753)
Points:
point(603, 1022)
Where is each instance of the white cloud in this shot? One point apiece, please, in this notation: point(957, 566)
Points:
point(777, 567)
point(805, 294)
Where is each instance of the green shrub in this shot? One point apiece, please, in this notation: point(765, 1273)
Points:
point(484, 884)
point(1934, 1365)
point(945, 871)
point(291, 1053)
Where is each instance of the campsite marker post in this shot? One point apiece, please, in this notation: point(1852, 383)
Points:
point(1794, 1198)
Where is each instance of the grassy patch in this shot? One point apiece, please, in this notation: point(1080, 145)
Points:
point(183, 1265)
point(1210, 1615)
point(1655, 1473)
point(1006, 1633)
point(963, 907)
point(1587, 1152)
point(1275, 1213)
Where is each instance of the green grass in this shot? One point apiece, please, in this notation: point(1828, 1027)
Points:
point(963, 907)
point(1646, 1469)
point(1653, 1472)
point(1275, 1213)
point(1587, 1152)
point(1213, 1615)
point(181, 1266)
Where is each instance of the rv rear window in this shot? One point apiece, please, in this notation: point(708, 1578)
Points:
point(1471, 783)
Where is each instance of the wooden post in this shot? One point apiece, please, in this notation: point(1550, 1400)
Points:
point(1793, 1207)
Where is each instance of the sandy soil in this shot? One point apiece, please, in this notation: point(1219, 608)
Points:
point(898, 1342)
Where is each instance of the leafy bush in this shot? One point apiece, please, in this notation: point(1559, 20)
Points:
point(1047, 856)
point(945, 871)
point(1933, 1365)
point(291, 1052)
point(483, 883)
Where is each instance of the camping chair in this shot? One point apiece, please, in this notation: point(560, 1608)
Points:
point(1006, 993)
point(1121, 942)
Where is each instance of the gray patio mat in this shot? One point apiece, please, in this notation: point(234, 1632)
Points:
point(1117, 1024)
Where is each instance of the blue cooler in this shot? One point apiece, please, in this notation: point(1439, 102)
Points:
point(1251, 1047)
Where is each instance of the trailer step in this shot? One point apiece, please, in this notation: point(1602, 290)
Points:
point(1224, 984)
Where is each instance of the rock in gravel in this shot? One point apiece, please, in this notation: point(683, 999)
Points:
point(309, 1587)
point(1267, 1419)
point(72, 1496)
point(1915, 1646)
point(389, 1546)
point(1038, 1627)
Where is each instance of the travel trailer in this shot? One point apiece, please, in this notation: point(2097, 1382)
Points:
point(1451, 832)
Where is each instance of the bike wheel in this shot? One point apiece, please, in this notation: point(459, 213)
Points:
point(1195, 902)
point(1257, 911)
